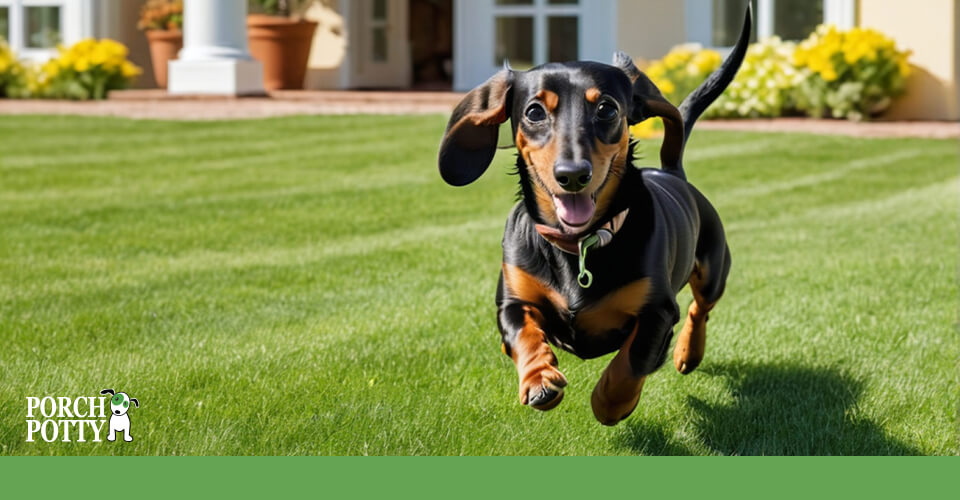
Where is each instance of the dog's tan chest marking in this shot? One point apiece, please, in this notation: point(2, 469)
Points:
point(615, 309)
point(528, 288)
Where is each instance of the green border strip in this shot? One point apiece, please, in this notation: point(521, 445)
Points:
point(454, 477)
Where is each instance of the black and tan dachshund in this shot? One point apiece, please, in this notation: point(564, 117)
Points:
point(596, 251)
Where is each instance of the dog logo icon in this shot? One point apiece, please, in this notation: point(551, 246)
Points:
point(119, 420)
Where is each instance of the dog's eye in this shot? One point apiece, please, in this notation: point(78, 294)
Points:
point(535, 113)
point(606, 111)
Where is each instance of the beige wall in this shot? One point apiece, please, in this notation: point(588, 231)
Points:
point(329, 50)
point(647, 29)
point(930, 29)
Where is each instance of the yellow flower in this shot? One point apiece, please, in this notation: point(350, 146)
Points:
point(114, 48)
point(829, 74)
point(665, 86)
point(647, 129)
point(129, 70)
point(904, 67)
point(674, 59)
point(655, 70)
point(100, 56)
point(82, 64)
point(51, 68)
point(705, 62)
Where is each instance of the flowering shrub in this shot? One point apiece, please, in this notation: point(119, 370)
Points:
point(29, 83)
point(161, 15)
point(852, 74)
point(86, 70)
point(676, 75)
point(764, 86)
point(682, 69)
point(11, 71)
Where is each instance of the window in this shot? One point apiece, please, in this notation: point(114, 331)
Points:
point(727, 21)
point(716, 23)
point(796, 19)
point(34, 28)
point(533, 32)
point(42, 27)
point(514, 41)
point(378, 34)
point(562, 44)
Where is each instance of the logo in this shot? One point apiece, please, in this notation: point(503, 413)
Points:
point(80, 419)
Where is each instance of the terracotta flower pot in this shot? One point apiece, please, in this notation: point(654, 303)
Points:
point(164, 47)
point(282, 45)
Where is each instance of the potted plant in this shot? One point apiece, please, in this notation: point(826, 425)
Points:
point(280, 38)
point(162, 22)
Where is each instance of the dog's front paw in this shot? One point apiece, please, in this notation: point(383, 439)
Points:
point(541, 387)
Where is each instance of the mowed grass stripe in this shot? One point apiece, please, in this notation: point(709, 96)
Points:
point(364, 286)
point(137, 271)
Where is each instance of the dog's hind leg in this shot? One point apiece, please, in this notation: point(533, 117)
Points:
point(692, 341)
point(707, 282)
point(618, 391)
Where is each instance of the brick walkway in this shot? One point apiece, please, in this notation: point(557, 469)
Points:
point(156, 104)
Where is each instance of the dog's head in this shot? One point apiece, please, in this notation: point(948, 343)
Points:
point(570, 125)
point(120, 402)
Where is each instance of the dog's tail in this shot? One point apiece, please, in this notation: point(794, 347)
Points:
point(697, 102)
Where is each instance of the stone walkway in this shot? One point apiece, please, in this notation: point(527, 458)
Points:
point(156, 104)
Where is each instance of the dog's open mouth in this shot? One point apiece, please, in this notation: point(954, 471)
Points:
point(574, 210)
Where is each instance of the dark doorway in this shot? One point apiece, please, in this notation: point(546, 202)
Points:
point(431, 44)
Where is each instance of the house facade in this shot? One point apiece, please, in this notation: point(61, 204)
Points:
point(457, 44)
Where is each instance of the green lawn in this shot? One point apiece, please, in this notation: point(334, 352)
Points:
point(309, 285)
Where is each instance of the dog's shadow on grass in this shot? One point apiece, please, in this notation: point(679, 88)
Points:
point(771, 410)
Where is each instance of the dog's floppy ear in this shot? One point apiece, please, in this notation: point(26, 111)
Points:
point(470, 141)
point(107, 391)
point(135, 402)
point(648, 102)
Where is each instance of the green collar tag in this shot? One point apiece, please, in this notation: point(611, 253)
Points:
point(585, 278)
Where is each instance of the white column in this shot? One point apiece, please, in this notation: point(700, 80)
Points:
point(214, 59)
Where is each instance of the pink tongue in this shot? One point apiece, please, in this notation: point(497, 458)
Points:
point(574, 209)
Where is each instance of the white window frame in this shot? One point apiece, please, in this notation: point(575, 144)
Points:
point(540, 10)
point(76, 22)
point(699, 18)
point(475, 31)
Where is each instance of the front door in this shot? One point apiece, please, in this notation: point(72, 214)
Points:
point(380, 57)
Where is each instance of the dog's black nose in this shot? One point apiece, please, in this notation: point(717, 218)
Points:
point(573, 175)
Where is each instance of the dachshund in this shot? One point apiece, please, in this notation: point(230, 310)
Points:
point(596, 250)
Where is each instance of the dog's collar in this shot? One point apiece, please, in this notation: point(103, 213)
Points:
point(578, 245)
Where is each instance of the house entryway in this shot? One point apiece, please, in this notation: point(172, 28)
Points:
point(431, 44)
